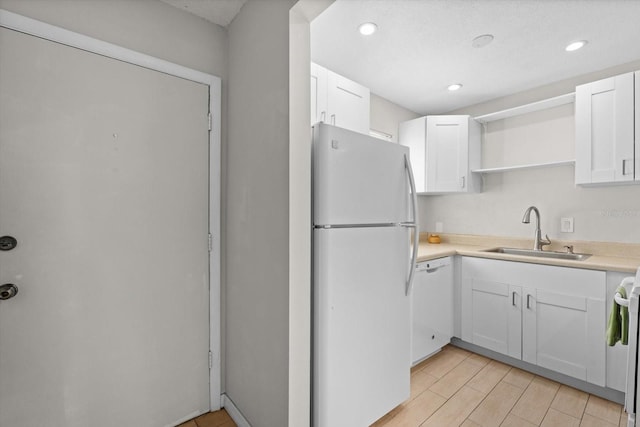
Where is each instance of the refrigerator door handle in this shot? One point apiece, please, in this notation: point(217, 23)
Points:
point(412, 183)
point(413, 225)
point(414, 256)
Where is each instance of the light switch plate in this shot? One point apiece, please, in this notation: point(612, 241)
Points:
point(439, 227)
point(566, 225)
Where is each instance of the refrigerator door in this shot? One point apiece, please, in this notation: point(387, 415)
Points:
point(358, 179)
point(361, 324)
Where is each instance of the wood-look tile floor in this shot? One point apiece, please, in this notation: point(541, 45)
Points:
point(213, 419)
point(459, 388)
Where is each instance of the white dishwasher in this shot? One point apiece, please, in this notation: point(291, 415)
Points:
point(431, 308)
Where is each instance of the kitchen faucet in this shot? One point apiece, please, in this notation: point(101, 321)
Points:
point(538, 243)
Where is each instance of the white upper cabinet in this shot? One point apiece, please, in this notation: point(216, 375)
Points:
point(318, 94)
point(444, 149)
point(339, 101)
point(451, 142)
point(348, 103)
point(605, 131)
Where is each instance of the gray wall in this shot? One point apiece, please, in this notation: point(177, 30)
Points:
point(386, 116)
point(257, 282)
point(150, 27)
point(609, 213)
point(251, 57)
point(147, 26)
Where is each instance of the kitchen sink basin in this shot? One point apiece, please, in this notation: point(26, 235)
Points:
point(540, 254)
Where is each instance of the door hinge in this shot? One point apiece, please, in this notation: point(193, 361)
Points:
point(210, 242)
point(210, 360)
point(210, 121)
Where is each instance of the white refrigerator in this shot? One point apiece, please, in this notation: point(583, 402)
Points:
point(364, 223)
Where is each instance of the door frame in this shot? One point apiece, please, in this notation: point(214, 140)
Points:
point(23, 24)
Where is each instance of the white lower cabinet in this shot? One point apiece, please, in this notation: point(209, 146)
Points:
point(491, 315)
point(553, 317)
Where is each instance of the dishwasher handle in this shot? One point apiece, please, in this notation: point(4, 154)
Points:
point(433, 265)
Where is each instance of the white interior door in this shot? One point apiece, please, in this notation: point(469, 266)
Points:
point(104, 184)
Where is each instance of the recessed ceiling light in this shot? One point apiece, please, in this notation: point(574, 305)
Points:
point(575, 45)
point(482, 41)
point(454, 87)
point(367, 28)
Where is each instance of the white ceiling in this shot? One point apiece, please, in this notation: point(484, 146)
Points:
point(219, 12)
point(422, 46)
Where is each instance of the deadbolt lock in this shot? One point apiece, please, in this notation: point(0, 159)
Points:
point(8, 290)
point(7, 243)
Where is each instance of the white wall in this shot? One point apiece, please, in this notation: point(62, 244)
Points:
point(386, 116)
point(257, 299)
point(299, 214)
point(609, 213)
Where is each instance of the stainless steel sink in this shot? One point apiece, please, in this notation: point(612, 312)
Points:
point(540, 253)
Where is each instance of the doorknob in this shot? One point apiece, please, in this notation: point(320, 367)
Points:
point(8, 290)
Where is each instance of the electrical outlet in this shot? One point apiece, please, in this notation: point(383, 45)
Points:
point(439, 227)
point(566, 225)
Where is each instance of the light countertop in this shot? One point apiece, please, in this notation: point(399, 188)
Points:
point(606, 256)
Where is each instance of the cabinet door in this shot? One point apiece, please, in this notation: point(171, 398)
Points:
point(347, 103)
point(447, 153)
point(318, 94)
point(605, 130)
point(564, 333)
point(495, 321)
point(412, 134)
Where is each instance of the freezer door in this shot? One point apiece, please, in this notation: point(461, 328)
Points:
point(361, 324)
point(358, 179)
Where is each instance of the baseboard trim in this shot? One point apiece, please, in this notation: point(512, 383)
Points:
point(604, 392)
point(234, 412)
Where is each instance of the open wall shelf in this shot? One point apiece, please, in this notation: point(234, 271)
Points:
point(523, 167)
point(528, 108)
